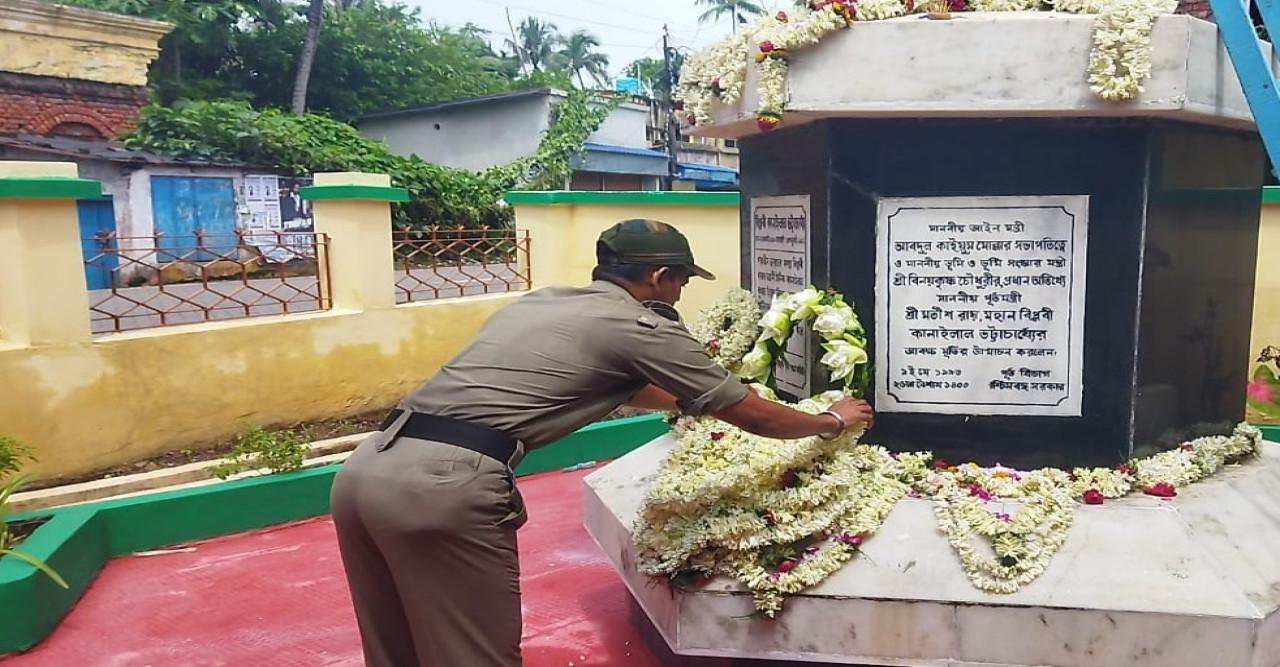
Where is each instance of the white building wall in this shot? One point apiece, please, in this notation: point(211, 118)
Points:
point(470, 136)
point(492, 132)
point(624, 127)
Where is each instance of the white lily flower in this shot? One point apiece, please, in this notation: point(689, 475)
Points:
point(802, 303)
point(756, 363)
point(832, 321)
point(775, 325)
point(842, 358)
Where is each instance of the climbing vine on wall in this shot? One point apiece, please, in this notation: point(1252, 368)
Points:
point(307, 143)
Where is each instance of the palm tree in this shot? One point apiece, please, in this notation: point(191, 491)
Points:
point(738, 11)
point(577, 53)
point(315, 12)
point(537, 42)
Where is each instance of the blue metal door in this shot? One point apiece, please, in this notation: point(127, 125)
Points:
point(97, 220)
point(180, 205)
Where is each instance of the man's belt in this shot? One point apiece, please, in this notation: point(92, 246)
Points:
point(478, 438)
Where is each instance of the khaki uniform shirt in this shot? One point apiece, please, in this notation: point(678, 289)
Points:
point(560, 358)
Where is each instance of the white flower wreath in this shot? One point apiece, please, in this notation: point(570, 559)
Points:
point(727, 328)
point(841, 332)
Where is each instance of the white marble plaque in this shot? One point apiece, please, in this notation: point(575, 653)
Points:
point(780, 263)
point(980, 304)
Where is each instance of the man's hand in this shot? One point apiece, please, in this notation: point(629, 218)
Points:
point(854, 411)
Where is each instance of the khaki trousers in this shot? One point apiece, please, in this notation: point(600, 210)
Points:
point(427, 533)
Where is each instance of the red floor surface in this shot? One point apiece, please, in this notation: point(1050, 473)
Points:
point(277, 596)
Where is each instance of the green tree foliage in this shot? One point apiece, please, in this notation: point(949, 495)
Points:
point(738, 11)
point(535, 44)
point(306, 143)
point(372, 55)
point(652, 74)
point(578, 54)
point(376, 57)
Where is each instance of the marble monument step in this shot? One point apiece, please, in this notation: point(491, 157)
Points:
point(1140, 582)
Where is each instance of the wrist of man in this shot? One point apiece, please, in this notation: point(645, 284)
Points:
point(840, 425)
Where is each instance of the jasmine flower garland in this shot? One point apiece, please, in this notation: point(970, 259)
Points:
point(1004, 546)
point(779, 516)
point(776, 515)
point(727, 328)
point(1119, 63)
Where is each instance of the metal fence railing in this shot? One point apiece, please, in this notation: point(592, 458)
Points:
point(161, 280)
point(440, 262)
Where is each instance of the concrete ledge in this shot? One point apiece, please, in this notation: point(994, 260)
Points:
point(49, 188)
point(366, 192)
point(318, 453)
point(657, 198)
point(1141, 582)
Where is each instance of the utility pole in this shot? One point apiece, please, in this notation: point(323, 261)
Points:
point(673, 127)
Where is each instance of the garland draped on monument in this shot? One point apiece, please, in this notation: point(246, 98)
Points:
point(1119, 63)
point(780, 516)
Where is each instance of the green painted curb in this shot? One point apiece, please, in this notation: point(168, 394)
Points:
point(78, 540)
point(656, 198)
point(368, 192)
point(1271, 194)
point(1271, 433)
point(49, 187)
point(73, 543)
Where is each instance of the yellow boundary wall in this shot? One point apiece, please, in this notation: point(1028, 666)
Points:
point(88, 402)
point(564, 227)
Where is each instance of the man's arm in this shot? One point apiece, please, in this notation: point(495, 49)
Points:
point(653, 398)
point(775, 420)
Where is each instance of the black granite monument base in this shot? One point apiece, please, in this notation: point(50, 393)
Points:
point(1165, 274)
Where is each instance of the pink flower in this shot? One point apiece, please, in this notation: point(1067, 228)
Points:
point(849, 539)
point(1261, 391)
point(786, 565)
point(766, 46)
point(1093, 497)
point(977, 490)
point(1003, 516)
point(1161, 490)
point(782, 17)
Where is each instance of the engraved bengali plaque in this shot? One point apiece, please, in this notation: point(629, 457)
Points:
point(980, 305)
point(780, 263)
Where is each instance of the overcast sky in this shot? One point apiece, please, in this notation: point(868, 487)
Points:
point(627, 29)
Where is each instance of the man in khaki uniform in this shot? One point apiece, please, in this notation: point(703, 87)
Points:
point(426, 510)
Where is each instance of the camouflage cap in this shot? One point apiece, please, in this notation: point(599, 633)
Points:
point(639, 241)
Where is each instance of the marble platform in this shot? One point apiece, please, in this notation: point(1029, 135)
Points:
point(992, 65)
point(1141, 582)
